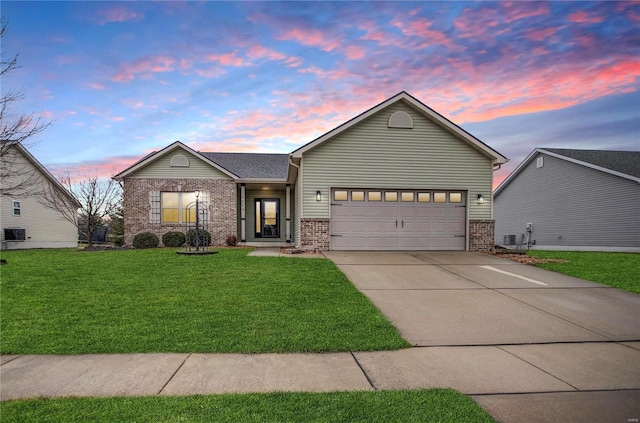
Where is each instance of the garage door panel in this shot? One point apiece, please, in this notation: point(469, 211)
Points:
point(398, 225)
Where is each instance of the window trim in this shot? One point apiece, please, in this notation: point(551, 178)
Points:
point(17, 208)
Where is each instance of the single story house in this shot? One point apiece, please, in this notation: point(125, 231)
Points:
point(564, 199)
point(399, 176)
point(27, 222)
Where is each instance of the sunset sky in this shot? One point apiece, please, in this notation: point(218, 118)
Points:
point(120, 79)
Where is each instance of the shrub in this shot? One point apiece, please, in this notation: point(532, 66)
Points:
point(146, 240)
point(205, 237)
point(117, 240)
point(232, 240)
point(173, 239)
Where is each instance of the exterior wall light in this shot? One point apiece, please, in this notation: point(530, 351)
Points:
point(318, 195)
point(480, 199)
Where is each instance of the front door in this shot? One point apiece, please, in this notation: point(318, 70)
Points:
point(268, 218)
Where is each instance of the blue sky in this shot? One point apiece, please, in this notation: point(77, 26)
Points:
point(121, 79)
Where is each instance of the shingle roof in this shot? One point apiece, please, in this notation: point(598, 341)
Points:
point(627, 162)
point(252, 165)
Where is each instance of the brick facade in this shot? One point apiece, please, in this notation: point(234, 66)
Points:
point(314, 234)
point(481, 234)
point(222, 208)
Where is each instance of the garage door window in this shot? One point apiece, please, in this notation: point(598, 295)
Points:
point(357, 195)
point(340, 195)
point(406, 197)
point(455, 197)
point(439, 197)
point(391, 196)
point(375, 196)
point(424, 197)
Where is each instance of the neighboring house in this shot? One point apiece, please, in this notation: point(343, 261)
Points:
point(561, 199)
point(26, 222)
point(399, 176)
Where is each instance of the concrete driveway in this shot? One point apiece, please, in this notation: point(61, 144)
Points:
point(527, 344)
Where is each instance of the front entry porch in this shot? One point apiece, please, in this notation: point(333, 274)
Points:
point(266, 213)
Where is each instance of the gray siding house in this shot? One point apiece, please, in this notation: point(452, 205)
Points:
point(562, 199)
point(399, 176)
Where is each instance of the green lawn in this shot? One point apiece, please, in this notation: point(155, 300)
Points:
point(436, 405)
point(70, 302)
point(619, 270)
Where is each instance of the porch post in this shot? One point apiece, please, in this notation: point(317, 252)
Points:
point(243, 213)
point(288, 212)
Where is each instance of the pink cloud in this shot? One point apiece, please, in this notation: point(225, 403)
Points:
point(540, 34)
point(421, 28)
point(310, 37)
point(228, 59)
point(516, 10)
point(97, 85)
point(583, 17)
point(355, 52)
point(145, 66)
point(117, 14)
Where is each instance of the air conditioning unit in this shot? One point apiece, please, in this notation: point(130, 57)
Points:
point(509, 239)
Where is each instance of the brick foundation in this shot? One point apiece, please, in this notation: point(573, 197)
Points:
point(314, 234)
point(222, 209)
point(481, 234)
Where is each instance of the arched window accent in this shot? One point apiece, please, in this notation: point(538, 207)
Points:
point(400, 120)
point(179, 160)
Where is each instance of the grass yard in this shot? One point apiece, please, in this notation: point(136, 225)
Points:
point(136, 301)
point(380, 406)
point(619, 270)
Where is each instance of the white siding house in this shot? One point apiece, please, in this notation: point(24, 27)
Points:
point(564, 199)
point(25, 221)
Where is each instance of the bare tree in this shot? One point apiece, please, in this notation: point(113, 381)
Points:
point(97, 200)
point(16, 177)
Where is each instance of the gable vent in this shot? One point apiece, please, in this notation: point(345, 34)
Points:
point(179, 160)
point(400, 120)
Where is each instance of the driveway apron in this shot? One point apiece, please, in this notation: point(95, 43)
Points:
point(514, 337)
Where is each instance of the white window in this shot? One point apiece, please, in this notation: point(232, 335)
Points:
point(17, 208)
point(178, 207)
point(540, 162)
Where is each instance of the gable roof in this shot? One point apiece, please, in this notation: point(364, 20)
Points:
point(151, 157)
point(422, 108)
point(44, 171)
point(253, 165)
point(625, 164)
point(250, 166)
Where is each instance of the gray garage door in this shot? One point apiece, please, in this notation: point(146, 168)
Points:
point(398, 219)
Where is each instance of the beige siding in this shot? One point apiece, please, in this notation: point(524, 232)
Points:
point(371, 155)
point(44, 227)
point(161, 168)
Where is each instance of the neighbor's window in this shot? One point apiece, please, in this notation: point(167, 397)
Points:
point(17, 208)
point(440, 197)
point(178, 207)
point(340, 195)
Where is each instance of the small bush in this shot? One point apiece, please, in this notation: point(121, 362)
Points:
point(173, 239)
point(146, 240)
point(205, 237)
point(232, 240)
point(118, 240)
